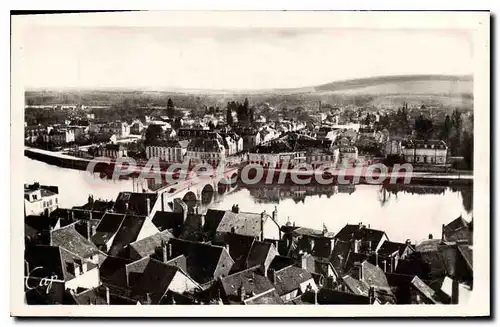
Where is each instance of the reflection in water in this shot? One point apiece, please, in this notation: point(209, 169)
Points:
point(403, 211)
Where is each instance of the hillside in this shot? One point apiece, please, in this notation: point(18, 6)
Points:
point(407, 84)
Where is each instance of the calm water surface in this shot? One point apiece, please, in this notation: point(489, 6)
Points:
point(408, 213)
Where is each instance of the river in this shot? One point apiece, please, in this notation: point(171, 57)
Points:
point(408, 213)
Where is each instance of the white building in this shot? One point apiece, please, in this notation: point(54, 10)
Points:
point(40, 199)
point(169, 150)
point(425, 152)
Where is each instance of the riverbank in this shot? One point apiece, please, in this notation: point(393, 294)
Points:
point(336, 176)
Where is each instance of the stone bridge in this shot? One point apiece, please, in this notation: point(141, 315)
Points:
point(202, 190)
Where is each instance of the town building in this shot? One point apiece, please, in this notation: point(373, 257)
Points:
point(40, 199)
point(432, 152)
point(205, 151)
point(168, 150)
point(112, 151)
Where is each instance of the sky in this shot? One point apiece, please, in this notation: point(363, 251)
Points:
point(233, 58)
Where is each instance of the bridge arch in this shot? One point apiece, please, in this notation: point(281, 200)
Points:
point(234, 180)
point(223, 186)
point(207, 194)
point(190, 199)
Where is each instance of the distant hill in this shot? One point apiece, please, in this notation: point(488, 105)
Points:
point(404, 84)
point(382, 91)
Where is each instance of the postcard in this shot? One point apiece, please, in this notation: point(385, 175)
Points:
point(177, 163)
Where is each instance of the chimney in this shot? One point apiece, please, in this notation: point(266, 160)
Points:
point(108, 301)
point(241, 293)
point(315, 296)
point(376, 259)
point(454, 291)
point(442, 233)
point(275, 213)
point(148, 298)
point(164, 248)
point(235, 208)
point(148, 205)
point(430, 237)
point(262, 218)
point(272, 275)
point(202, 221)
point(303, 261)
point(89, 230)
point(77, 267)
point(371, 295)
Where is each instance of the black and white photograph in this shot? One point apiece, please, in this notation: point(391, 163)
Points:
point(251, 158)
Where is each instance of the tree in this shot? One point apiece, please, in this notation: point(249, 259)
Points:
point(177, 123)
point(170, 108)
point(153, 134)
point(229, 116)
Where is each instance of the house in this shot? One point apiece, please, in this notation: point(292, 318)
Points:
point(37, 229)
point(348, 153)
point(45, 264)
point(141, 204)
point(60, 136)
point(410, 289)
point(425, 151)
point(205, 151)
point(354, 243)
point(260, 226)
point(133, 228)
point(40, 199)
point(118, 128)
point(291, 282)
point(457, 230)
point(389, 254)
point(364, 278)
point(112, 151)
point(149, 280)
point(261, 255)
point(32, 133)
point(205, 262)
point(148, 246)
point(107, 229)
point(168, 150)
point(248, 287)
point(137, 127)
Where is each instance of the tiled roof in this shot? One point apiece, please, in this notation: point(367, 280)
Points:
point(127, 233)
point(155, 280)
point(136, 202)
point(243, 223)
point(280, 262)
point(202, 259)
point(312, 233)
point(290, 278)
point(258, 253)
point(252, 282)
point(268, 298)
point(112, 271)
point(69, 239)
point(239, 248)
point(424, 289)
point(457, 230)
point(169, 221)
point(355, 286)
point(359, 233)
point(388, 248)
point(108, 226)
point(148, 245)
